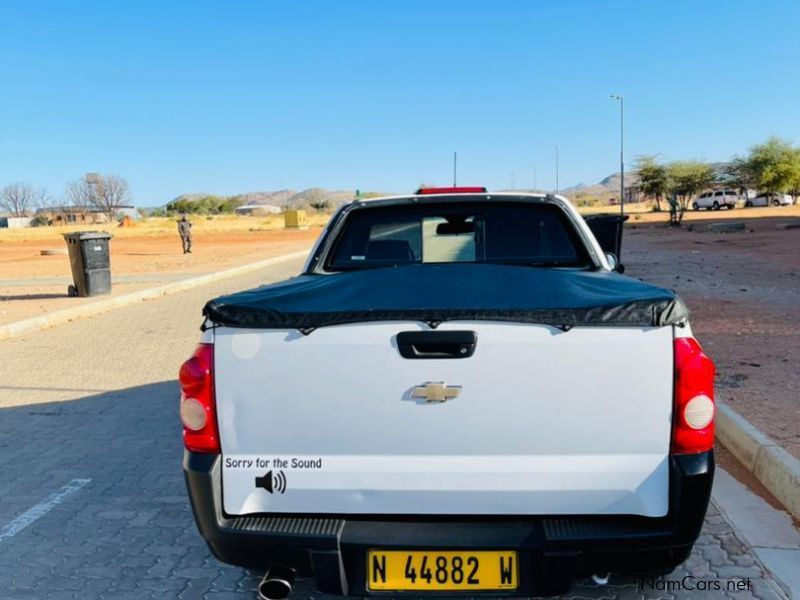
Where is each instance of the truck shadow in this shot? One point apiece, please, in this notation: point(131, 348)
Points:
point(129, 531)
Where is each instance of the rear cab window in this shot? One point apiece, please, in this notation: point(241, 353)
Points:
point(476, 232)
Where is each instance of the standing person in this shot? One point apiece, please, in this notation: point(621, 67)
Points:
point(185, 231)
point(673, 210)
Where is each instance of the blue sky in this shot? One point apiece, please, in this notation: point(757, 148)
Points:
point(227, 97)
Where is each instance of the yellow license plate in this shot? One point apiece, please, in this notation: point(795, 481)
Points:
point(400, 570)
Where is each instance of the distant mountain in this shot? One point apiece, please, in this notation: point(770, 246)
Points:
point(609, 186)
point(606, 186)
point(193, 197)
point(289, 198)
point(332, 197)
point(277, 198)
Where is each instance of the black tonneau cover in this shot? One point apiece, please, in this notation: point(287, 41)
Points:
point(436, 293)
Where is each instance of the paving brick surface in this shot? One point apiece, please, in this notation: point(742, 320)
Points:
point(97, 399)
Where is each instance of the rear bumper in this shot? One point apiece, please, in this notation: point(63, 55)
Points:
point(553, 550)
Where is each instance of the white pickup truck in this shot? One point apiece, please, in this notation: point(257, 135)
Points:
point(459, 395)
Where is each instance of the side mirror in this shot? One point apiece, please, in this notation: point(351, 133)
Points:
point(614, 263)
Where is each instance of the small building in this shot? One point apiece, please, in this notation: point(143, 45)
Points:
point(295, 219)
point(68, 215)
point(14, 222)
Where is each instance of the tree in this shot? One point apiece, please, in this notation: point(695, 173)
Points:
point(739, 174)
point(794, 184)
point(686, 179)
point(205, 205)
point(317, 199)
point(320, 205)
point(775, 165)
point(653, 179)
point(78, 195)
point(105, 193)
point(21, 199)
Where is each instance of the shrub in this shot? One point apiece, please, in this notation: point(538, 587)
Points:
point(207, 205)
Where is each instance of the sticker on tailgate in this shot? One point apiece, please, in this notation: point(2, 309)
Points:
point(274, 480)
point(436, 484)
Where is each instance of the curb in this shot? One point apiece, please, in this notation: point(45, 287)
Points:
point(773, 466)
point(17, 328)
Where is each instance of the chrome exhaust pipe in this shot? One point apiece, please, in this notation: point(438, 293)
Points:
point(276, 584)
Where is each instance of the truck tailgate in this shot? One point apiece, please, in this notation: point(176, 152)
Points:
point(545, 422)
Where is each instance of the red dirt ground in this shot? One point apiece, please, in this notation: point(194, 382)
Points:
point(158, 258)
point(158, 253)
point(744, 293)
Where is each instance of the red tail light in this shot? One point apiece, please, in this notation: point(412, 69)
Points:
point(198, 411)
point(450, 190)
point(693, 413)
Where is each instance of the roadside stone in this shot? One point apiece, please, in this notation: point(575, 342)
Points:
point(726, 226)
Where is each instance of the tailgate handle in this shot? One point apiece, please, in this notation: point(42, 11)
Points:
point(437, 344)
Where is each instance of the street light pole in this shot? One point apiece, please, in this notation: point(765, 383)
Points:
point(556, 147)
point(621, 153)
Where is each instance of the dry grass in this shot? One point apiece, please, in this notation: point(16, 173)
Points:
point(641, 213)
point(159, 226)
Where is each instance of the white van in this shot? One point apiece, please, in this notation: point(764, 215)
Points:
point(716, 200)
point(767, 199)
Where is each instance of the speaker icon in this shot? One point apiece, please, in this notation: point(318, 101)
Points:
point(273, 482)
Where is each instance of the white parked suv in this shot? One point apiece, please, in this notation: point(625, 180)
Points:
point(716, 200)
point(766, 199)
point(457, 394)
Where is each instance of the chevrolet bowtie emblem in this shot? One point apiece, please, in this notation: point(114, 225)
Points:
point(436, 391)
